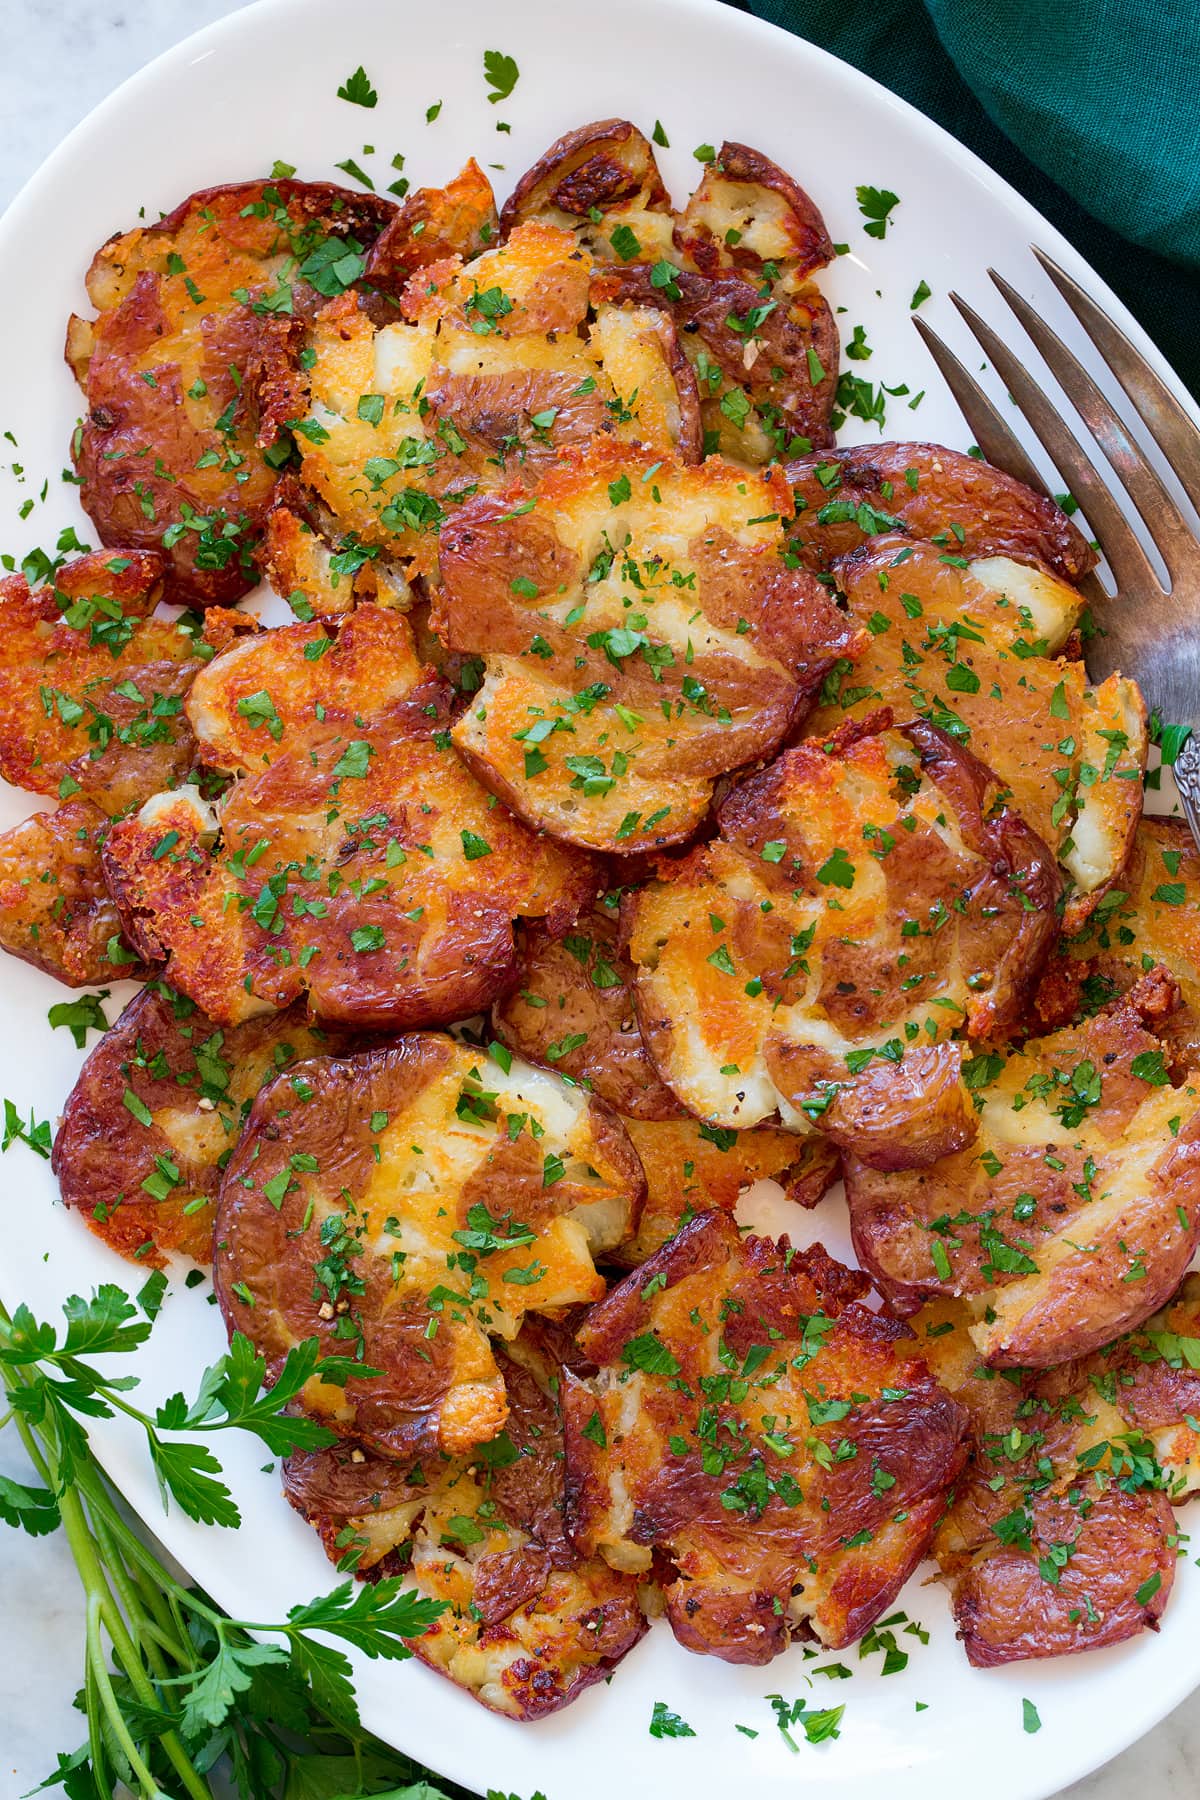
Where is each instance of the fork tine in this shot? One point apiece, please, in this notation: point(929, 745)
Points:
point(1163, 518)
point(1000, 445)
point(1002, 448)
point(1125, 555)
point(1173, 431)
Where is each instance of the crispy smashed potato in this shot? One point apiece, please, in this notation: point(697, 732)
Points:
point(734, 268)
point(756, 1427)
point(973, 649)
point(1076, 1210)
point(1152, 917)
point(355, 859)
point(640, 639)
point(186, 369)
point(964, 506)
point(408, 1204)
point(869, 898)
point(92, 685)
point(155, 1115)
point(498, 365)
point(531, 1623)
point(571, 1008)
point(55, 910)
point(1061, 1537)
point(432, 224)
point(606, 169)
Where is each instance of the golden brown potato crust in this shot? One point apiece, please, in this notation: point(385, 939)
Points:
point(358, 861)
point(966, 507)
point(434, 223)
point(870, 897)
point(1061, 1537)
point(530, 1623)
point(571, 1007)
point(971, 648)
point(734, 268)
point(148, 1188)
point(640, 636)
point(184, 367)
point(91, 685)
point(780, 1454)
point(405, 1204)
point(1152, 915)
point(55, 910)
point(1077, 1209)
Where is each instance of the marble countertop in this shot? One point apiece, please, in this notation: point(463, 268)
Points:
point(61, 58)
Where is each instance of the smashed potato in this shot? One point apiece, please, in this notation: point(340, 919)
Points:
point(432, 224)
point(406, 1205)
point(1060, 1537)
point(1151, 918)
point(186, 369)
point(870, 899)
point(530, 1623)
point(972, 649)
point(154, 1117)
point(492, 372)
point(571, 1007)
point(733, 267)
point(757, 1428)
point(355, 860)
point(92, 685)
point(1076, 1210)
point(640, 638)
point(55, 910)
point(960, 503)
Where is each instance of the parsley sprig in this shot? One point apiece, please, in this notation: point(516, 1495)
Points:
point(174, 1690)
point(52, 1387)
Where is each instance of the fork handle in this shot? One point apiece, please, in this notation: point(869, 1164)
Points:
point(1187, 780)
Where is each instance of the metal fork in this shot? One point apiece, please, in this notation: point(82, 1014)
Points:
point(1149, 632)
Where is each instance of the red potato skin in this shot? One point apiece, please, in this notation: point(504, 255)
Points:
point(1007, 1612)
point(730, 1568)
point(997, 515)
point(593, 166)
point(805, 322)
point(55, 910)
point(139, 444)
point(432, 224)
point(1085, 1299)
point(811, 246)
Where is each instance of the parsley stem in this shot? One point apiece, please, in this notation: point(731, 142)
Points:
point(96, 1611)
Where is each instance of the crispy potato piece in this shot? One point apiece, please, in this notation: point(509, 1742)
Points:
point(492, 373)
point(1060, 1537)
point(766, 368)
point(55, 910)
point(869, 897)
point(187, 366)
point(834, 1453)
point(976, 658)
point(530, 1623)
point(358, 861)
point(1076, 1211)
point(1152, 917)
point(571, 1007)
point(412, 1201)
point(432, 224)
point(607, 168)
point(147, 1188)
point(846, 497)
point(640, 639)
point(91, 684)
point(749, 216)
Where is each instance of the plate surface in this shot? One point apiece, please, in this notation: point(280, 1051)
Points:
point(261, 85)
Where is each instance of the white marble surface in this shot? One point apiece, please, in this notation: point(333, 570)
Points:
point(60, 58)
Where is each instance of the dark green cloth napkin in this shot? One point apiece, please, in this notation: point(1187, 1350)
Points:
point(1090, 107)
